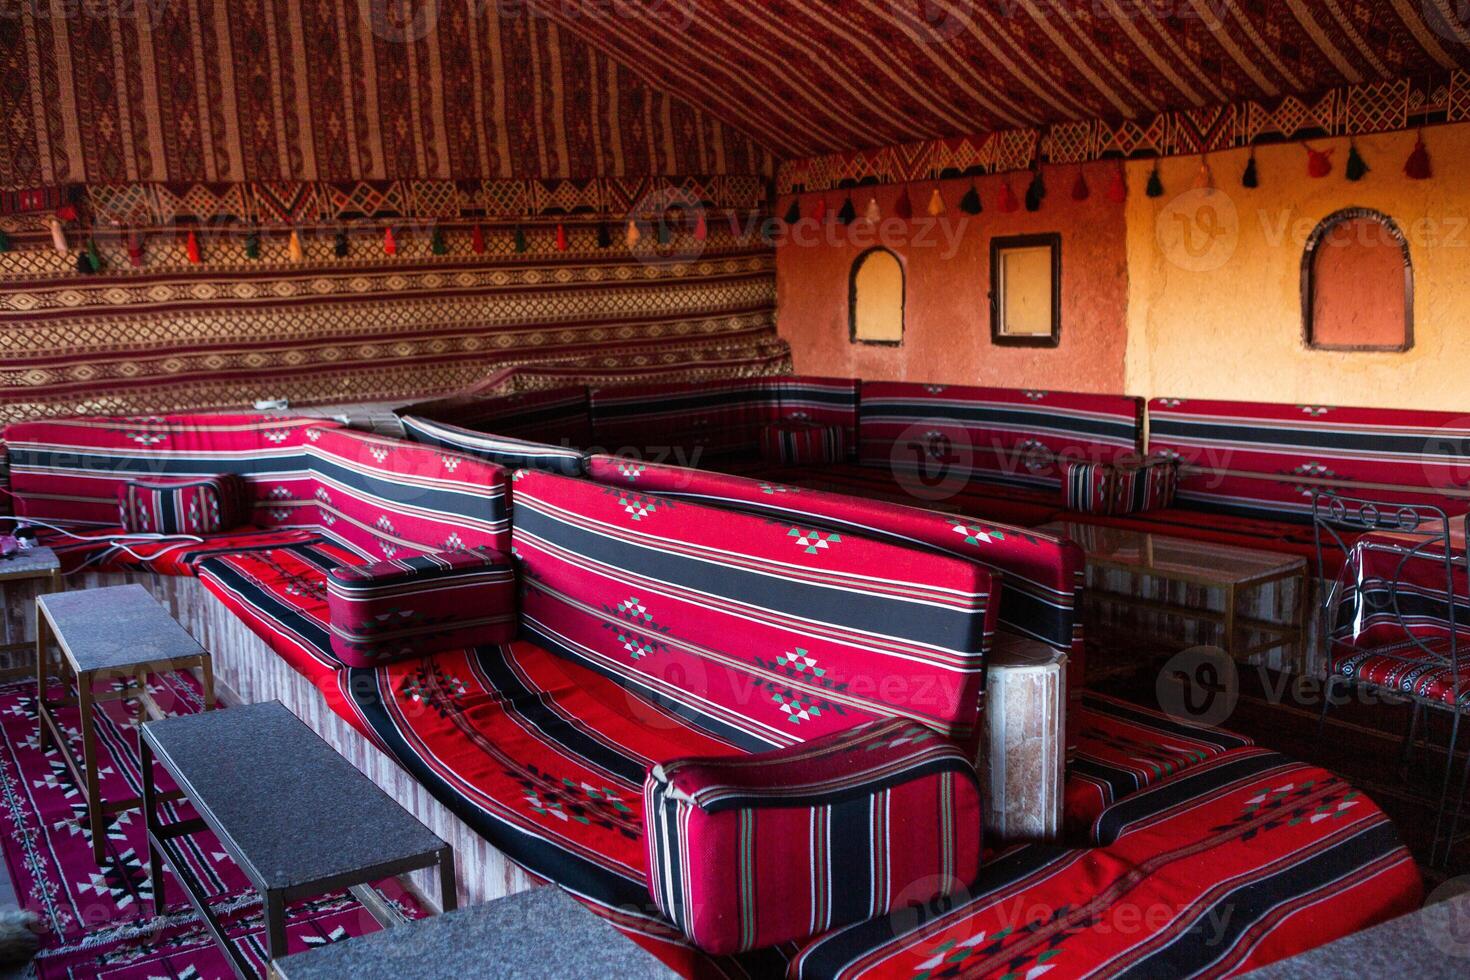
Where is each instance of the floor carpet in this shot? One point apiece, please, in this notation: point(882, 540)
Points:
point(100, 922)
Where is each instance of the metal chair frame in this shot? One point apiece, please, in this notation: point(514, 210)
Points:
point(1428, 527)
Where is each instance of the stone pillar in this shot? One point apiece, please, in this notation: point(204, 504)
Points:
point(1026, 709)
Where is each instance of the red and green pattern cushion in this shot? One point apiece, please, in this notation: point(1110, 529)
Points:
point(418, 606)
point(799, 443)
point(758, 850)
point(1119, 488)
point(182, 506)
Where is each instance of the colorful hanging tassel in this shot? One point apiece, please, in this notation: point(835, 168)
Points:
point(970, 204)
point(84, 264)
point(561, 237)
point(604, 235)
point(737, 230)
point(390, 244)
point(848, 213)
point(437, 244)
point(1005, 201)
point(520, 240)
point(135, 249)
point(1155, 186)
point(903, 208)
point(1250, 180)
point(1035, 192)
point(1080, 190)
point(94, 257)
point(819, 210)
point(477, 240)
point(1356, 168)
point(1417, 166)
point(58, 237)
point(1204, 178)
point(252, 245)
point(1118, 186)
point(872, 214)
point(4, 242)
point(701, 228)
point(339, 244)
point(793, 213)
point(936, 204)
point(191, 248)
point(1319, 163)
point(663, 231)
point(635, 235)
point(293, 247)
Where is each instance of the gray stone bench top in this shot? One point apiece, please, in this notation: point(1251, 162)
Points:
point(37, 561)
point(116, 628)
point(536, 934)
point(289, 810)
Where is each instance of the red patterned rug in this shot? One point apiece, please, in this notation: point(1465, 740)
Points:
point(99, 922)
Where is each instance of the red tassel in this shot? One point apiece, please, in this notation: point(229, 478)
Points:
point(390, 244)
point(701, 228)
point(1118, 187)
point(1006, 203)
point(191, 248)
point(737, 229)
point(477, 240)
point(135, 250)
point(67, 212)
point(1417, 166)
point(1080, 190)
point(819, 210)
point(1319, 162)
point(561, 238)
point(903, 208)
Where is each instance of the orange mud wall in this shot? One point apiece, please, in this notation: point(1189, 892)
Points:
point(1219, 315)
point(947, 271)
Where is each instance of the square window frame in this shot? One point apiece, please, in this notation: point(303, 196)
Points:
point(1002, 244)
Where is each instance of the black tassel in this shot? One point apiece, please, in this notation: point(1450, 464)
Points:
point(339, 245)
point(521, 245)
point(664, 231)
point(252, 245)
point(437, 244)
point(604, 235)
point(848, 214)
point(793, 213)
point(4, 242)
point(1356, 168)
point(1155, 186)
point(970, 203)
point(1035, 192)
point(1250, 180)
point(84, 264)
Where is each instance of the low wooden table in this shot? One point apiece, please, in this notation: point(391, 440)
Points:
point(540, 933)
point(297, 818)
point(120, 632)
point(1233, 571)
point(39, 565)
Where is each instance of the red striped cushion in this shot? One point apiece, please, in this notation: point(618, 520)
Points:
point(1119, 488)
point(808, 838)
point(182, 506)
point(800, 443)
point(417, 606)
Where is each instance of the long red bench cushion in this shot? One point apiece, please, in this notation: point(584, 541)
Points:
point(1040, 574)
point(417, 606)
point(754, 851)
point(385, 498)
point(1242, 861)
point(70, 469)
point(767, 632)
point(1241, 457)
point(504, 451)
point(1002, 435)
point(183, 506)
point(1123, 748)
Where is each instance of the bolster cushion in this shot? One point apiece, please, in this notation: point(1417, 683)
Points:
point(1119, 488)
point(418, 606)
point(798, 443)
point(182, 506)
point(513, 454)
point(750, 851)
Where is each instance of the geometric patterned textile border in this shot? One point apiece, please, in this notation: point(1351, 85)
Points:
point(1350, 110)
point(367, 327)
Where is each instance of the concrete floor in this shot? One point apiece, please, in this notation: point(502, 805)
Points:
point(8, 900)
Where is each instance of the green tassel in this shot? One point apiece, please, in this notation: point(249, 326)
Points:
point(437, 245)
point(521, 245)
point(1035, 192)
point(1356, 168)
point(604, 235)
point(793, 213)
point(4, 242)
point(970, 203)
point(1155, 186)
point(252, 245)
point(848, 214)
point(1250, 180)
point(339, 245)
point(94, 256)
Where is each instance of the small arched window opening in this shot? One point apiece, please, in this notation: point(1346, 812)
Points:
point(876, 298)
point(1358, 284)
